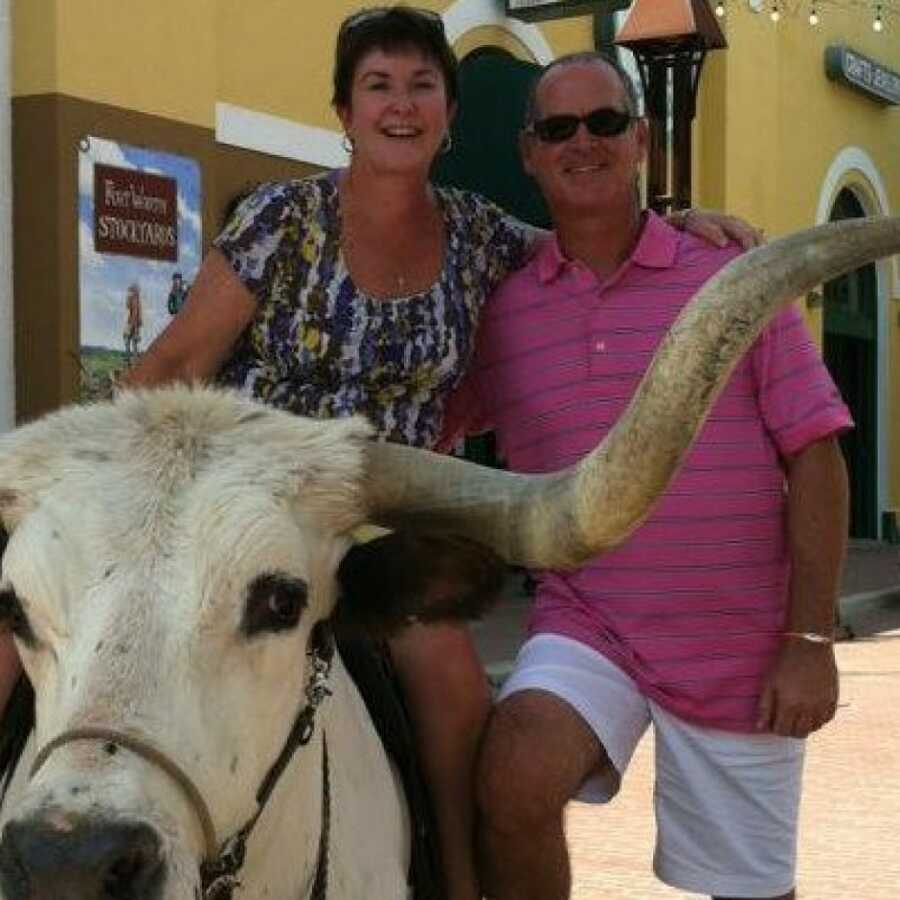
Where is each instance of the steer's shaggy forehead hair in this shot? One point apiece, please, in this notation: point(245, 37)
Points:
point(168, 439)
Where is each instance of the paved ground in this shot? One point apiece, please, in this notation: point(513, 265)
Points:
point(850, 840)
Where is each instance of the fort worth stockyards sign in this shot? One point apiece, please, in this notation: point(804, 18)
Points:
point(135, 213)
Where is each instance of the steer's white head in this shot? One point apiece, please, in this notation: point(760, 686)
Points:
point(168, 559)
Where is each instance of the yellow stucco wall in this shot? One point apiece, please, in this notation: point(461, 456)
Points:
point(772, 124)
point(784, 120)
point(176, 59)
point(155, 58)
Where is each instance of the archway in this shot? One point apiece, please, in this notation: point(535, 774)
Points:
point(850, 349)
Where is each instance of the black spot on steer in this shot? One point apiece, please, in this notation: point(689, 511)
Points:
point(401, 578)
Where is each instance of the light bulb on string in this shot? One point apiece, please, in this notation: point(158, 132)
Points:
point(720, 8)
point(878, 24)
point(813, 15)
point(775, 15)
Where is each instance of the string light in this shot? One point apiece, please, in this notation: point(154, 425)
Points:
point(720, 8)
point(880, 10)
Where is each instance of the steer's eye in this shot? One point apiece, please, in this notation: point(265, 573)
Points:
point(274, 603)
point(13, 618)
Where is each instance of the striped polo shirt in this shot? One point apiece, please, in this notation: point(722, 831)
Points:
point(692, 604)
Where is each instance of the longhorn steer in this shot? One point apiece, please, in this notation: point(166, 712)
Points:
point(171, 554)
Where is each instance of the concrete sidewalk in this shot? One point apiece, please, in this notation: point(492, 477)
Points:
point(851, 805)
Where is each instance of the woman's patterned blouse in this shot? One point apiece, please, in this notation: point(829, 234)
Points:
point(318, 346)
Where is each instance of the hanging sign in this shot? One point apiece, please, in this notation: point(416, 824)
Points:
point(538, 10)
point(863, 74)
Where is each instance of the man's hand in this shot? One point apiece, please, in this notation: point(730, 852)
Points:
point(717, 228)
point(801, 693)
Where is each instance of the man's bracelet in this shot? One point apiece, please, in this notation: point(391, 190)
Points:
point(812, 636)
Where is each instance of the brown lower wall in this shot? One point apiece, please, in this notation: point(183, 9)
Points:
point(46, 134)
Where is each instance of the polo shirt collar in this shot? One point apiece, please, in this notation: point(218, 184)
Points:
point(656, 249)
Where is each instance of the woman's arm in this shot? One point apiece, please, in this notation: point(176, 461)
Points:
point(198, 340)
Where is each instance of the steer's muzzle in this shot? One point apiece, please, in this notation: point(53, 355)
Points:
point(89, 860)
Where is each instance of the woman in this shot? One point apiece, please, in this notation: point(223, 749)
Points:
point(359, 292)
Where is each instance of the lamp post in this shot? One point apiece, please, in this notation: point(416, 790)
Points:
point(671, 37)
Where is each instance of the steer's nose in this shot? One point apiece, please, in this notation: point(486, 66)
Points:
point(91, 861)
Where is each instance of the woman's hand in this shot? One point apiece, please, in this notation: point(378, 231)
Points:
point(716, 227)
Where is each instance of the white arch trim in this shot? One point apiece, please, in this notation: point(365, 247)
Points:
point(869, 188)
point(465, 15)
point(250, 129)
point(855, 159)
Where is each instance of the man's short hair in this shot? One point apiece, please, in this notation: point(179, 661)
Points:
point(632, 96)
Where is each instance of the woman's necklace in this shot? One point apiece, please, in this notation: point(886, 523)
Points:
point(389, 264)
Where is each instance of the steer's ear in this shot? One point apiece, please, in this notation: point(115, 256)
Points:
point(401, 578)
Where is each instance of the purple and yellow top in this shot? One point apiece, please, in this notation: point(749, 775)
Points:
point(319, 346)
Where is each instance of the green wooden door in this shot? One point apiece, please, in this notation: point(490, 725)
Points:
point(485, 154)
point(851, 354)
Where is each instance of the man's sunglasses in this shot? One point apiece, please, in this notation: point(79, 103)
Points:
point(600, 123)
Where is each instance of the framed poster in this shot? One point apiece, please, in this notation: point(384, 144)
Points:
point(140, 240)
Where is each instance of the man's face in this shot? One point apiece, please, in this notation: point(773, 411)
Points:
point(585, 173)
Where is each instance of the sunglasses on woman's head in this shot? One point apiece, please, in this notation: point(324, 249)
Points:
point(431, 18)
point(600, 123)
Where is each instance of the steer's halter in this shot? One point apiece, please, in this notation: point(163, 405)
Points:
point(221, 865)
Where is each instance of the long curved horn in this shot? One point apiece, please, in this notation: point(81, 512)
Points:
point(565, 518)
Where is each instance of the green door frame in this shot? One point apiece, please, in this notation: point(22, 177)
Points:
point(850, 349)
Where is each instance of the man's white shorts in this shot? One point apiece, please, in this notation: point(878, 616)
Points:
point(726, 803)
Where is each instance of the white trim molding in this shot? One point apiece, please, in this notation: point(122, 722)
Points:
point(248, 129)
point(278, 136)
point(463, 16)
point(849, 160)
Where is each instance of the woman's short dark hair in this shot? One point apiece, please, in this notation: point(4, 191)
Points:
point(389, 29)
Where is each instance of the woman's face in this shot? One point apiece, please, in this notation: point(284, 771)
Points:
point(398, 115)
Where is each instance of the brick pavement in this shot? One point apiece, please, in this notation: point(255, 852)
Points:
point(849, 841)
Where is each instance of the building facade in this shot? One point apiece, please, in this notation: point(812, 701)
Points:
point(218, 95)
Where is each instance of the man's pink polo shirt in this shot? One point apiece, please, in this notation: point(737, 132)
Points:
point(691, 606)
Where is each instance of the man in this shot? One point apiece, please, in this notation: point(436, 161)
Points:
point(177, 294)
point(131, 334)
point(714, 621)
